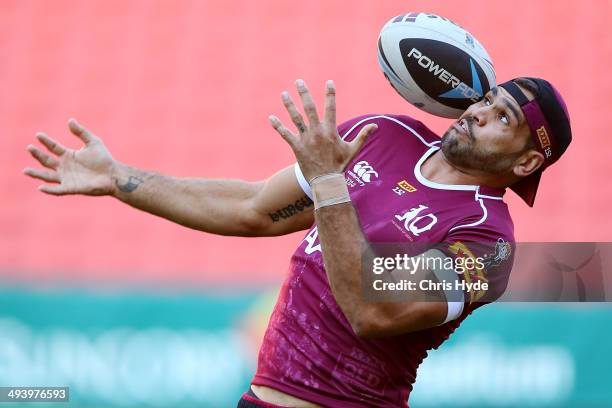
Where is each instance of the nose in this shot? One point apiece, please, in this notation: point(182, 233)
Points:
point(480, 114)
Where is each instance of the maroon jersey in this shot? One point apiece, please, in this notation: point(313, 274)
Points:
point(309, 349)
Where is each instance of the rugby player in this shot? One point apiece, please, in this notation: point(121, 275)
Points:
point(373, 179)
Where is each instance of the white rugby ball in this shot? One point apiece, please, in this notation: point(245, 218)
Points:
point(434, 64)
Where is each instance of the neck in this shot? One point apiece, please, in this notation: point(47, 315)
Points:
point(439, 170)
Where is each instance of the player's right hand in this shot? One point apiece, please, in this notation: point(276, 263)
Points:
point(85, 171)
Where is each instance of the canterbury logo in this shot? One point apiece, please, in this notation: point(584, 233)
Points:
point(364, 171)
point(543, 137)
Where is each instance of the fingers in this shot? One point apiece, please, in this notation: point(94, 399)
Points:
point(54, 189)
point(45, 175)
point(283, 131)
point(295, 115)
point(330, 104)
point(362, 136)
point(51, 144)
point(48, 176)
point(85, 135)
point(309, 105)
point(42, 157)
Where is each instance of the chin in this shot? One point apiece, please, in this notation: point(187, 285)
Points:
point(455, 155)
point(460, 153)
point(452, 146)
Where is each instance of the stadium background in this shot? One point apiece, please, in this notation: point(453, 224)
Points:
point(130, 310)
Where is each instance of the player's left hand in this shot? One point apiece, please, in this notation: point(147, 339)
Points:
point(318, 147)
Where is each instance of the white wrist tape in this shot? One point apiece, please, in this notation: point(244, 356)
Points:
point(329, 189)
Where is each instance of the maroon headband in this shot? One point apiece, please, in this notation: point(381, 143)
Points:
point(550, 129)
point(541, 133)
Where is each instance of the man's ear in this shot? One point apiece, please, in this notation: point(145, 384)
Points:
point(529, 162)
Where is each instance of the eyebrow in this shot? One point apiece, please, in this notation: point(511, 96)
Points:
point(507, 104)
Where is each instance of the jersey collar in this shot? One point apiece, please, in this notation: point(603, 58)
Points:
point(480, 191)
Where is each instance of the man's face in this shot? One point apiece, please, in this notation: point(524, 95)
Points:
point(490, 136)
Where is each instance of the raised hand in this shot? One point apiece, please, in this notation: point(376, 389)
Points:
point(318, 146)
point(85, 171)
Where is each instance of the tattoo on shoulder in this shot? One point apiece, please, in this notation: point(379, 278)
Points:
point(130, 185)
point(292, 209)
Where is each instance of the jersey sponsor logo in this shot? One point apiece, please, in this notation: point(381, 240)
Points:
point(544, 140)
point(403, 187)
point(415, 222)
point(363, 172)
point(312, 242)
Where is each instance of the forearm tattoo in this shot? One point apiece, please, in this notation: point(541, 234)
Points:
point(292, 209)
point(130, 185)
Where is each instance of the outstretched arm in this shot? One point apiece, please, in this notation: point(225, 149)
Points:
point(323, 155)
point(274, 206)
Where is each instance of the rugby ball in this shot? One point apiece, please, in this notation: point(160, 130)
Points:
point(434, 64)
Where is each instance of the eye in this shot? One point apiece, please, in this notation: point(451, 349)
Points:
point(486, 100)
point(504, 119)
